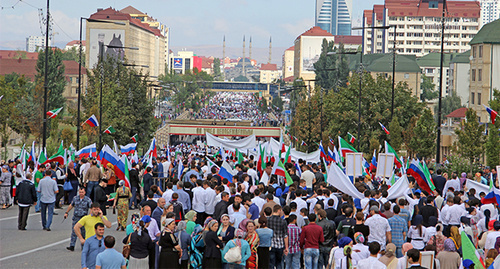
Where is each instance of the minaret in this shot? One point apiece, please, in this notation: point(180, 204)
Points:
point(270, 48)
point(250, 50)
point(243, 62)
point(223, 56)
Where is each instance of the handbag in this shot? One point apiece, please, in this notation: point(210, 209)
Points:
point(67, 186)
point(233, 254)
point(126, 248)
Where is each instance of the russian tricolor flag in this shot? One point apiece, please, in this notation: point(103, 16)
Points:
point(92, 121)
point(373, 164)
point(226, 171)
point(419, 175)
point(128, 149)
point(152, 148)
point(383, 128)
point(88, 151)
point(493, 113)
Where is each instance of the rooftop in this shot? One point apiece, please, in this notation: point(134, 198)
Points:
point(291, 48)
point(16, 54)
point(270, 67)
point(315, 31)
point(111, 14)
point(459, 113)
point(460, 9)
point(463, 58)
point(131, 10)
point(380, 62)
point(75, 42)
point(348, 39)
point(489, 33)
point(27, 67)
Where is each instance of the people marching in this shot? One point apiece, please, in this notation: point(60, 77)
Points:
point(209, 207)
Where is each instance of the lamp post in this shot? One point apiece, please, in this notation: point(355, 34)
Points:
point(45, 81)
point(438, 140)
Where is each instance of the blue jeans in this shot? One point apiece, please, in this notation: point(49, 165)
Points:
point(399, 252)
point(311, 256)
point(46, 222)
point(324, 255)
point(292, 260)
point(133, 199)
point(234, 266)
point(90, 187)
point(37, 206)
point(276, 258)
point(73, 234)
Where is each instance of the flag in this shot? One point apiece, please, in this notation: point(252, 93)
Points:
point(338, 179)
point(383, 128)
point(491, 198)
point(281, 171)
point(180, 169)
point(71, 152)
point(351, 138)
point(87, 152)
point(152, 148)
point(32, 154)
point(239, 155)
point(135, 158)
point(298, 170)
point(326, 168)
point(397, 160)
point(42, 157)
point(128, 149)
point(115, 147)
point(345, 147)
point(92, 121)
point(211, 164)
point(58, 157)
point(288, 157)
point(373, 164)
point(110, 130)
point(428, 176)
point(126, 176)
point(226, 171)
point(303, 143)
point(1, 97)
point(332, 142)
point(53, 113)
point(134, 138)
point(417, 172)
point(493, 113)
point(322, 153)
point(470, 252)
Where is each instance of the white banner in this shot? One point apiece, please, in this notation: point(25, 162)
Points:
point(313, 157)
point(339, 180)
point(479, 187)
point(399, 188)
point(242, 144)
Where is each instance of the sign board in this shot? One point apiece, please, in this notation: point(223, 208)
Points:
point(106, 37)
point(354, 164)
point(385, 165)
point(178, 63)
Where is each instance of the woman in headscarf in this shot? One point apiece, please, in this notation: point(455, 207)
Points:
point(403, 260)
point(463, 180)
point(253, 240)
point(226, 231)
point(455, 236)
point(389, 259)
point(170, 249)
point(417, 233)
point(449, 258)
point(184, 241)
point(243, 225)
point(111, 177)
point(196, 256)
point(244, 246)
point(140, 244)
point(213, 245)
point(123, 195)
point(360, 250)
point(338, 253)
point(438, 239)
point(191, 218)
point(133, 221)
point(73, 179)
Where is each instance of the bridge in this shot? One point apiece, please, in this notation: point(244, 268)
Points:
point(265, 89)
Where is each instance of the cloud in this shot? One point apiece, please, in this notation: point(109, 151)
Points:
point(298, 27)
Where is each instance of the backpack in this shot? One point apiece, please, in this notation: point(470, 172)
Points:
point(233, 255)
point(178, 210)
point(321, 202)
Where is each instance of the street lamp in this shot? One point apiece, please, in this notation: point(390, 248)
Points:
point(438, 141)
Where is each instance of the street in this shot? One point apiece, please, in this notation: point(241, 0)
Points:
point(36, 248)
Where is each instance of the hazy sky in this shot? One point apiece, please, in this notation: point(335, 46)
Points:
point(192, 23)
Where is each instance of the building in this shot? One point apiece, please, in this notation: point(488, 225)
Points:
point(430, 65)
point(334, 16)
point(269, 73)
point(484, 68)
point(448, 135)
point(184, 61)
point(117, 34)
point(489, 11)
point(287, 63)
point(153, 23)
point(307, 49)
point(418, 26)
point(350, 42)
point(16, 54)
point(35, 42)
point(458, 80)
point(75, 44)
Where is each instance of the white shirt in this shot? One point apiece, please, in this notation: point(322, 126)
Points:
point(363, 253)
point(378, 228)
point(243, 210)
point(300, 220)
point(167, 195)
point(264, 179)
point(300, 203)
point(364, 205)
point(491, 208)
point(371, 263)
point(401, 263)
point(83, 169)
point(417, 240)
point(199, 198)
point(491, 238)
point(236, 218)
point(153, 229)
point(335, 200)
point(454, 183)
point(253, 174)
point(205, 171)
point(259, 202)
point(210, 200)
point(166, 167)
point(453, 214)
point(444, 212)
point(309, 177)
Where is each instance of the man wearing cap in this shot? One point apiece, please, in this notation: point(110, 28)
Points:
point(5, 182)
point(492, 237)
point(380, 230)
point(48, 190)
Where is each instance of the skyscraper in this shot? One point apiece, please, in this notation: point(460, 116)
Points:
point(334, 16)
point(489, 11)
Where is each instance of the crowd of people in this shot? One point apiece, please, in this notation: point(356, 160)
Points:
point(194, 218)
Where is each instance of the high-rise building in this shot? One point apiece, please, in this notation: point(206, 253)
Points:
point(33, 43)
point(418, 26)
point(334, 16)
point(489, 11)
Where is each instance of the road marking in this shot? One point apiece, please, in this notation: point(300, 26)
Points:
point(15, 217)
point(40, 248)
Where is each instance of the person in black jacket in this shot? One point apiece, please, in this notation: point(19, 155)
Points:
point(212, 257)
point(100, 195)
point(134, 182)
point(221, 207)
point(148, 180)
point(140, 244)
point(26, 196)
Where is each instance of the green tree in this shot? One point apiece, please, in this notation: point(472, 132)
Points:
point(396, 133)
point(428, 89)
point(449, 104)
point(56, 79)
point(331, 70)
point(7, 103)
point(423, 141)
point(493, 141)
point(22, 113)
point(277, 102)
point(73, 54)
point(470, 138)
point(217, 75)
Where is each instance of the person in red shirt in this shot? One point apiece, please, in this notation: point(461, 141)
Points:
point(310, 238)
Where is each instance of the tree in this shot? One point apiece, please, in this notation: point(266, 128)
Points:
point(493, 141)
point(331, 70)
point(423, 141)
point(470, 137)
point(22, 113)
point(428, 89)
point(73, 54)
point(217, 75)
point(449, 104)
point(7, 104)
point(396, 133)
point(277, 102)
point(56, 79)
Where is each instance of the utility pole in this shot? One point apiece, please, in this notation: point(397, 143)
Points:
point(46, 77)
point(438, 140)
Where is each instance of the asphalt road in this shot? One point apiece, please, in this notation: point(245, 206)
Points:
point(36, 248)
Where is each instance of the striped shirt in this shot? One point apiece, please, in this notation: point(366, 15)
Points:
point(294, 238)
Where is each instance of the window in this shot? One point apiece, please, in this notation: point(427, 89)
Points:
point(474, 51)
point(433, 4)
point(429, 70)
point(407, 75)
point(472, 98)
point(473, 74)
point(479, 74)
point(479, 98)
point(480, 51)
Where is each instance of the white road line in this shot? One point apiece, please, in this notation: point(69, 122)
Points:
point(15, 217)
point(40, 248)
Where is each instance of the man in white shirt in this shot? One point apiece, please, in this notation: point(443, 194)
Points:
point(257, 200)
point(204, 169)
point(237, 215)
point(266, 175)
point(380, 230)
point(455, 212)
point(492, 237)
point(166, 167)
point(237, 199)
point(167, 195)
point(252, 173)
point(309, 177)
point(210, 199)
point(198, 204)
point(372, 262)
point(299, 201)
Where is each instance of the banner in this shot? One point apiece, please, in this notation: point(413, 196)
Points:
point(339, 180)
point(399, 188)
point(479, 187)
point(245, 143)
point(313, 157)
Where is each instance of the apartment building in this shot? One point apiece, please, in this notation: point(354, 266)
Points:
point(417, 26)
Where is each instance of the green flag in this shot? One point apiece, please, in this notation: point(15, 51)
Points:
point(428, 177)
point(397, 160)
point(239, 155)
point(58, 157)
point(110, 130)
point(469, 251)
point(281, 171)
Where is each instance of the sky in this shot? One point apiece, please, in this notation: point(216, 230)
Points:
point(192, 22)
